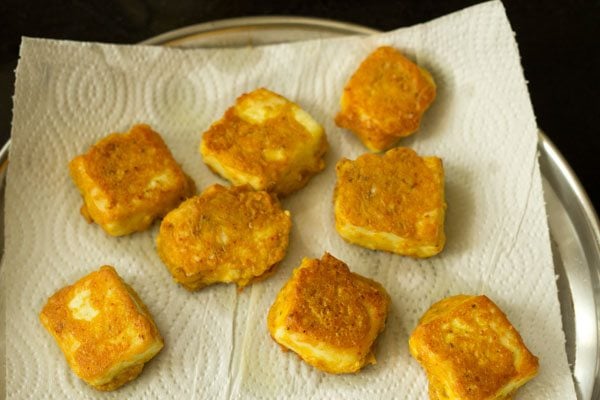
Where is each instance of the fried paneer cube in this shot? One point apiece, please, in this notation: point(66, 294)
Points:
point(225, 235)
point(393, 202)
point(385, 98)
point(470, 351)
point(104, 330)
point(329, 316)
point(267, 142)
point(127, 180)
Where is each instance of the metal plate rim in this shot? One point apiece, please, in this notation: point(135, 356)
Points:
point(262, 22)
point(550, 149)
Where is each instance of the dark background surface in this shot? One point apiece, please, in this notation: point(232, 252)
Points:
point(559, 44)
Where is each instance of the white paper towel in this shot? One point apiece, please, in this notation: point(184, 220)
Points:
point(69, 95)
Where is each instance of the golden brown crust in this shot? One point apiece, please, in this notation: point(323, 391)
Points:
point(103, 328)
point(385, 98)
point(393, 202)
point(471, 351)
point(329, 316)
point(265, 141)
point(224, 235)
point(127, 375)
point(128, 180)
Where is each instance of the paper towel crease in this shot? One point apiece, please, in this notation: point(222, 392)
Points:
point(69, 95)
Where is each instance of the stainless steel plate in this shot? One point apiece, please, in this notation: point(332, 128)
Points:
point(573, 222)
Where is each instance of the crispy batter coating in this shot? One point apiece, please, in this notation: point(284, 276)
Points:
point(470, 351)
point(385, 99)
point(224, 235)
point(267, 142)
point(128, 180)
point(104, 330)
point(393, 202)
point(329, 316)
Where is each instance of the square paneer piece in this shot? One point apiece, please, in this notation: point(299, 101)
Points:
point(470, 351)
point(104, 330)
point(127, 180)
point(393, 202)
point(225, 235)
point(385, 99)
point(329, 316)
point(267, 142)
